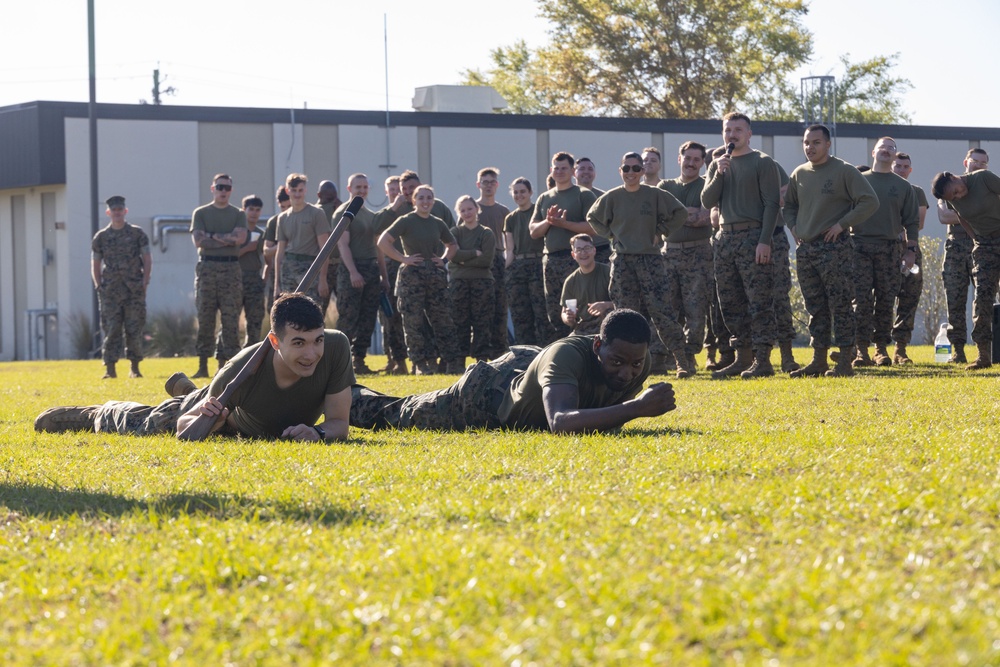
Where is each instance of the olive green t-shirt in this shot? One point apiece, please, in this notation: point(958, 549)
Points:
point(466, 265)
point(576, 201)
point(300, 229)
point(820, 196)
point(637, 222)
point(516, 224)
point(981, 206)
point(688, 194)
point(253, 260)
point(365, 229)
point(750, 191)
point(492, 218)
point(569, 361)
point(897, 209)
point(259, 409)
point(439, 210)
point(421, 236)
point(587, 288)
point(599, 241)
point(921, 196)
point(214, 220)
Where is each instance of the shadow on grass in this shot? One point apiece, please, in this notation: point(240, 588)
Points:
point(660, 432)
point(52, 502)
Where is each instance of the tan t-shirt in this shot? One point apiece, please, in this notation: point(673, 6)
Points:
point(300, 229)
point(214, 220)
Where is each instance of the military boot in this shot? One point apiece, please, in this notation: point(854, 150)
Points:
point(361, 368)
point(844, 368)
point(882, 357)
point(662, 365)
point(390, 366)
point(761, 366)
point(425, 367)
point(179, 384)
point(202, 368)
point(222, 363)
point(858, 360)
point(67, 418)
point(134, 371)
point(743, 361)
point(958, 354)
point(109, 371)
point(685, 365)
point(456, 366)
point(400, 368)
point(788, 363)
point(710, 364)
point(816, 367)
point(726, 357)
point(985, 359)
point(899, 355)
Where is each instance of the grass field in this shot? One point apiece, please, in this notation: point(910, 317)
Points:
point(771, 522)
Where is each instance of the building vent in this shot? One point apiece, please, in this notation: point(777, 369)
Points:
point(458, 99)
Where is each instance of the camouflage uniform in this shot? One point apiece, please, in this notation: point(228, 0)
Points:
point(421, 290)
point(638, 280)
point(556, 267)
point(218, 287)
point(121, 294)
point(956, 272)
point(985, 275)
point(498, 323)
point(252, 264)
point(293, 269)
point(826, 273)
point(907, 299)
point(877, 279)
point(392, 327)
point(472, 402)
point(470, 298)
point(357, 308)
point(689, 281)
point(526, 296)
point(781, 258)
point(717, 335)
point(129, 417)
point(746, 289)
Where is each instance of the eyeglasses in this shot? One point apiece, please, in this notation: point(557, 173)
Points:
point(583, 248)
point(222, 187)
point(636, 168)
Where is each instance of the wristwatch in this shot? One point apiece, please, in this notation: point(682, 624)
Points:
point(320, 432)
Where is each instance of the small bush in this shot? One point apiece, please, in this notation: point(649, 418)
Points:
point(172, 333)
point(85, 341)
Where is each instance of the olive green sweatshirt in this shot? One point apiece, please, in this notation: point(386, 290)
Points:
point(820, 196)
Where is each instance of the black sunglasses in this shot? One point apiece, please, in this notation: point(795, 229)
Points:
point(635, 168)
point(222, 187)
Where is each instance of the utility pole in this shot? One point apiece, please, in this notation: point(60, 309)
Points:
point(169, 90)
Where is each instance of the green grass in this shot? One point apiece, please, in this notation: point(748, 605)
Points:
point(771, 522)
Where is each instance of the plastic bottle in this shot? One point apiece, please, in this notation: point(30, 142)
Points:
point(942, 346)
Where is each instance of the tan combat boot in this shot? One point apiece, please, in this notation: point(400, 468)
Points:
point(179, 384)
point(134, 371)
point(900, 358)
point(202, 368)
point(882, 357)
point(859, 359)
point(818, 366)
point(844, 368)
point(788, 363)
point(685, 365)
point(958, 354)
point(67, 418)
point(985, 359)
point(761, 366)
point(743, 361)
point(400, 368)
point(109, 371)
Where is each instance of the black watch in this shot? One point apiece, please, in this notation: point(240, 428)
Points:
point(320, 432)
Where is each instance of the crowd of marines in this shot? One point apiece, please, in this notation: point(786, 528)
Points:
point(704, 257)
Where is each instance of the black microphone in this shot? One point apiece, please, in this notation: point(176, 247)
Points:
point(730, 147)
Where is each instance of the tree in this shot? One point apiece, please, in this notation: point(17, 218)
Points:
point(648, 58)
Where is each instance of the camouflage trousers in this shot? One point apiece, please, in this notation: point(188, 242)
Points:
point(471, 301)
point(357, 307)
point(826, 277)
point(876, 284)
point(333, 287)
point(956, 272)
point(421, 292)
point(218, 287)
point(472, 402)
point(498, 326)
point(717, 335)
point(131, 418)
point(526, 297)
point(253, 305)
point(555, 270)
point(123, 310)
point(602, 253)
point(746, 289)
point(985, 274)
point(907, 299)
point(293, 270)
point(781, 258)
point(690, 278)
point(392, 327)
point(640, 281)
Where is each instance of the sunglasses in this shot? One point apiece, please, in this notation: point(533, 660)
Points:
point(222, 187)
point(636, 168)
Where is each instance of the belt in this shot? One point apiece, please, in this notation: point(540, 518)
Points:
point(217, 258)
point(299, 257)
point(558, 253)
point(870, 241)
point(680, 245)
point(993, 236)
point(741, 226)
point(820, 239)
point(529, 255)
point(957, 233)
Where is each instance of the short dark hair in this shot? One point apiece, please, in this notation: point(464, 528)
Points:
point(973, 151)
point(218, 176)
point(408, 175)
point(652, 149)
point(563, 156)
point(585, 159)
point(253, 200)
point(295, 180)
point(488, 171)
point(822, 128)
point(903, 156)
point(688, 145)
point(940, 182)
point(736, 115)
point(582, 237)
point(282, 193)
point(631, 155)
point(627, 325)
point(295, 310)
point(521, 180)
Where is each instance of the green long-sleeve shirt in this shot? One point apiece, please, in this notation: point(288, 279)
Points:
point(980, 207)
point(466, 264)
point(637, 222)
point(688, 194)
point(749, 191)
point(820, 196)
point(897, 209)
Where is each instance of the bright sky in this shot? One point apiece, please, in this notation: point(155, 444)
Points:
point(330, 54)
